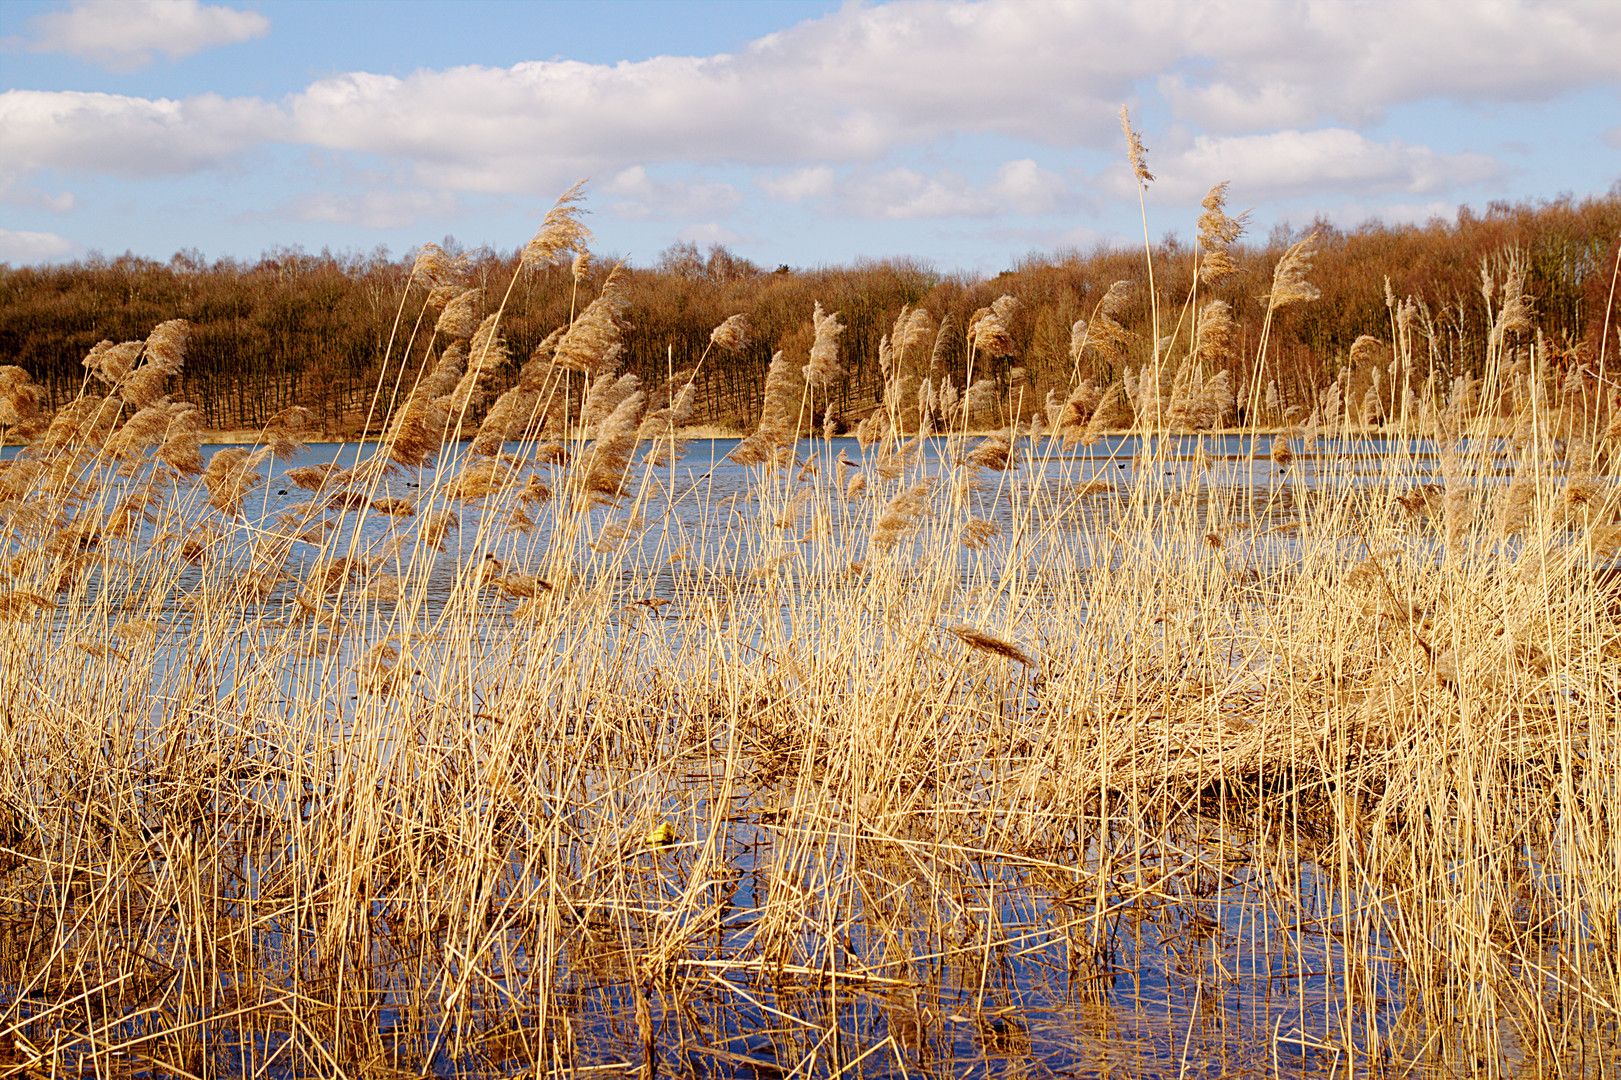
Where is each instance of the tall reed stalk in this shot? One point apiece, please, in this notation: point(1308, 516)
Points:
point(565, 757)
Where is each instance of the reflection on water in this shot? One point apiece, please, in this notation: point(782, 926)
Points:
point(599, 830)
point(1068, 495)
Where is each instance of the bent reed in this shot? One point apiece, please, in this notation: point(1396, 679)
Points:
point(1089, 744)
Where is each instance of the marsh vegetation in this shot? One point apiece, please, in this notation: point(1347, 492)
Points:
point(1098, 742)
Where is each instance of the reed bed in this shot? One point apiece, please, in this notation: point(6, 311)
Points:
point(521, 747)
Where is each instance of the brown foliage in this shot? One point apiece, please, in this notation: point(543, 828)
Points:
point(313, 330)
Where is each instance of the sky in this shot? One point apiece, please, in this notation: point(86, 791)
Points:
point(966, 135)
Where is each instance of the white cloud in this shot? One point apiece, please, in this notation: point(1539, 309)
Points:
point(36, 198)
point(1020, 187)
point(129, 136)
point(1027, 188)
point(122, 35)
point(1294, 64)
point(901, 194)
point(641, 196)
point(1081, 238)
point(376, 209)
point(1350, 215)
point(33, 247)
point(837, 96)
point(712, 233)
point(1289, 163)
point(812, 182)
point(852, 86)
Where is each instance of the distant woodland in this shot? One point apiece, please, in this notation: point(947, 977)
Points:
point(294, 328)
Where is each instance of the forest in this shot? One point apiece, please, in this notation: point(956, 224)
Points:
point(317, 330)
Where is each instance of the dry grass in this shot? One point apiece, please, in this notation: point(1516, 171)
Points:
point(558, 762)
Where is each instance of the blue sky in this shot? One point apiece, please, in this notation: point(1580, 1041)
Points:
point(806, 133)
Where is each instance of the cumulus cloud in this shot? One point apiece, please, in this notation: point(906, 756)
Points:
point(1026, 188)
point(811, 182)
point(122, 35)
point(1287, 163)
point(33, 247)
point(129, 136)
point(850, 87)
point(1351, 214)
point(1080, 238)
point(36, 198)
point(900, 194)
point(1020, 187)
point(375, 209)
point(820, 109)
point(711, 232)
point(640, 196)
point(1293, 64)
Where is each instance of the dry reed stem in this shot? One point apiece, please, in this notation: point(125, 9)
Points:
point(266, 771)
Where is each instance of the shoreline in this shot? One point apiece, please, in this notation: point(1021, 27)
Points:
point(253, 436)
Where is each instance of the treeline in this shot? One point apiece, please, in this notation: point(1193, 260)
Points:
point(318, 330)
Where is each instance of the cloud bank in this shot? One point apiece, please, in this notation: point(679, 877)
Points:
point(846, 89)
point(863, 114)
point(122, 35)
point(24, 248)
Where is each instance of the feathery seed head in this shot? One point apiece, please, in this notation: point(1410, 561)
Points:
point(731, 335)
point(488, 349)
point(1216, 340)
point(431, 265)
point(512, 415)
point(19, 397)
point(83, 422)
point(1217, 232)
point(165, 352)
point(1514, 317)
point(460, 318)
point(607, 464)
point(166, 344)
point(978, 400)
point(284, 430)
point(1281, 453)
point(1367, 349)
point(994, 452)
point(976, 533)
point(109, 362)
point(919, 329)
point(533, 375)
point(988, 334)
point(992, 645)
point(1077, 340)
point(561, 231)
point(603, 397)
point(593, 342)
point(1135, 150)
point(229, 477)
point(435, 526)
point(824, 354)
point(1114, 301)
point(1289, 284)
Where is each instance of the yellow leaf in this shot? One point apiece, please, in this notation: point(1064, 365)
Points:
point(663, 833)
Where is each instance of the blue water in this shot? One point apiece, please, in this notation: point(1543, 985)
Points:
point(998, 966)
